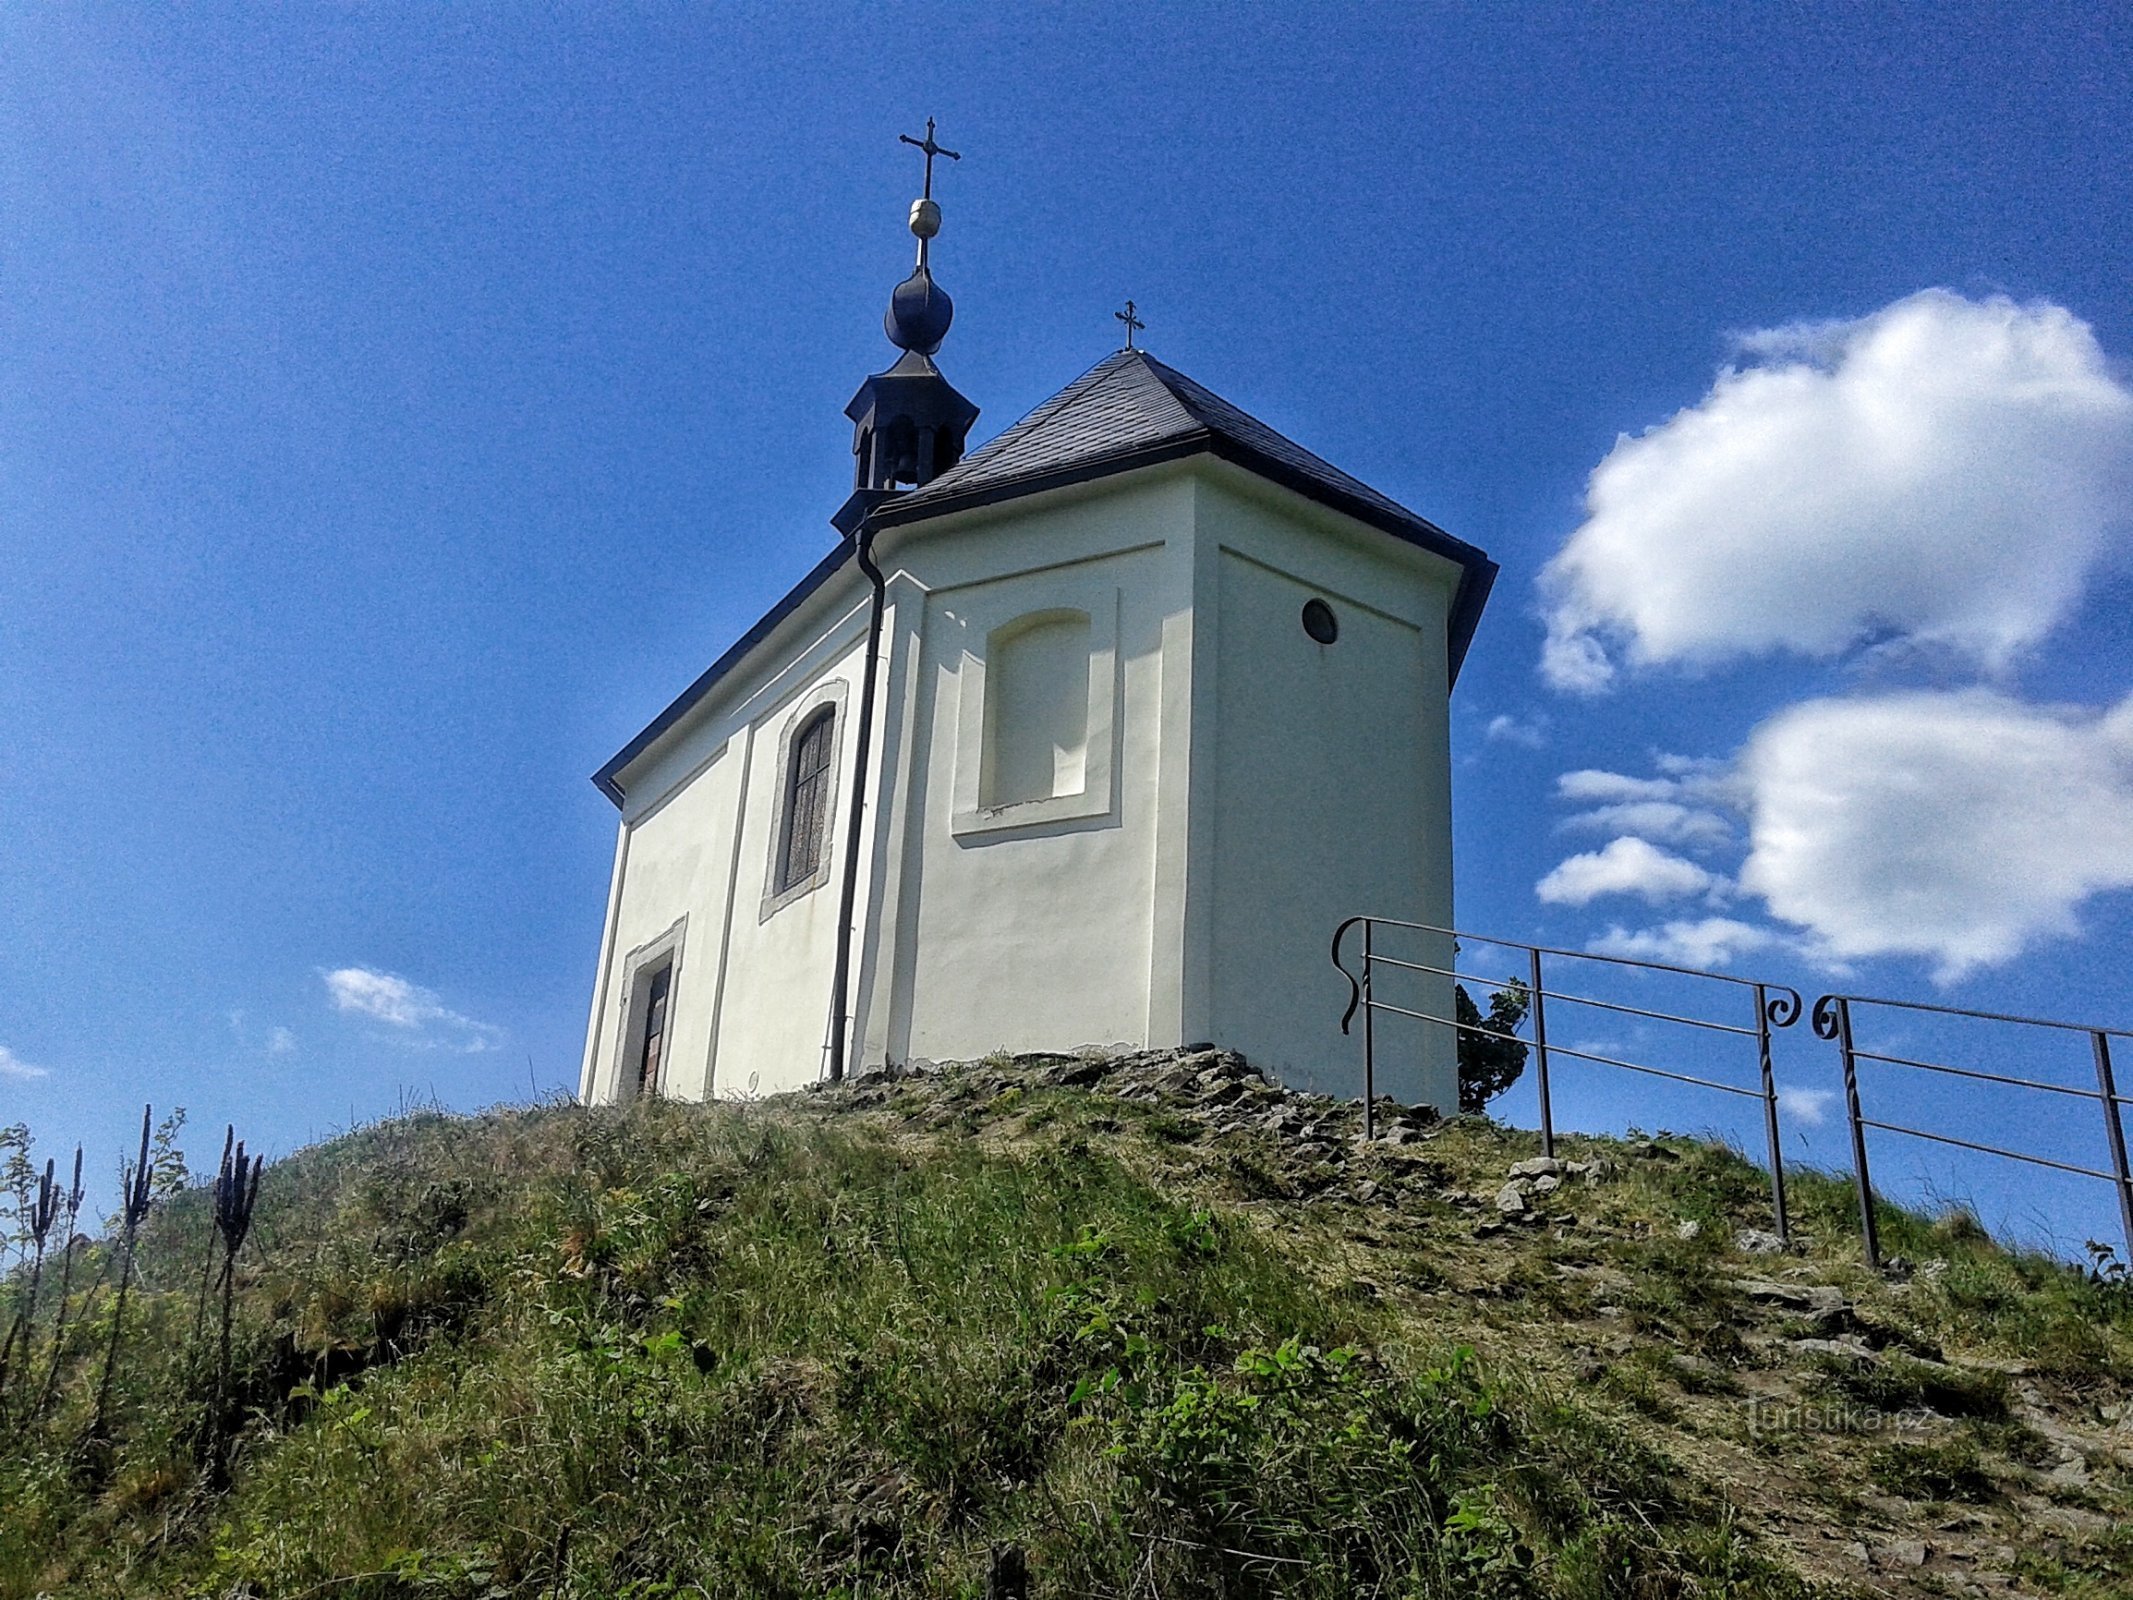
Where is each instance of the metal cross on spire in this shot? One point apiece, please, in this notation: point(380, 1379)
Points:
point(931, 149)
point(1132, 321)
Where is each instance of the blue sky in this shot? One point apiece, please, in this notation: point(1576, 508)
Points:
point(399, 404)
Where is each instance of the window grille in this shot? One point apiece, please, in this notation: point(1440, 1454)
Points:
point(655, 1030)
point(807, 801)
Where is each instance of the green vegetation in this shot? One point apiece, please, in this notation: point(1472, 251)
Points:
point(1896, 1382)
point(911, 1336)
point(1491, 1055)
point(1950, 1471)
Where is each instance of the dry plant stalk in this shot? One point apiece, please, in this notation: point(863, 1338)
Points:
point(236, 1197)
point(24, 1330)
point(135, 1193)
point(66, 1289)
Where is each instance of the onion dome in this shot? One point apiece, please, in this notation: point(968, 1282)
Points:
point(919, 314)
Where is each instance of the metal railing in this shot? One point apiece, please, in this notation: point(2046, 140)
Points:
point(1776, 1006)
point(1833, 1021)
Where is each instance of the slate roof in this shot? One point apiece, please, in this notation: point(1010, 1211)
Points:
point(1126, 404)
point(1127, 411)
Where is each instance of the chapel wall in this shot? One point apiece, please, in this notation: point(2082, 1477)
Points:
point(1328, 784)
point(675, 879)
point(773, 1012)
point(1030, 925)
point(749, 998)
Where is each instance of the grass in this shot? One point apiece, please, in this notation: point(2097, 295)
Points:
point(1980, 1294)
point(1950, 1471)
point(768, 1350)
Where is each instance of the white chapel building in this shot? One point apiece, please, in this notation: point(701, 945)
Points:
point(1089, 736)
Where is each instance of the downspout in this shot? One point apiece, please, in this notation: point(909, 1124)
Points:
point(848, 896)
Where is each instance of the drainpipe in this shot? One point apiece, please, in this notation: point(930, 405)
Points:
point(840, 981)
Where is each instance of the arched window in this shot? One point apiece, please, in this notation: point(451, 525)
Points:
point(1037, 709)
point(803, 841)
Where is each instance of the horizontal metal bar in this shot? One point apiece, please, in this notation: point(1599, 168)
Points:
point(1659, 1072)
point(1557, 994)
point(1575, 955)
point(1657, 1016)
point(1988, 1149)
point(1424, 1016)
point(1983, 1077)
point(1980, 1016)
point(1565, 1050)
point(1376, 960)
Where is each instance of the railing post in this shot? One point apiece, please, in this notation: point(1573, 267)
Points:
point(2115, 1132)
point(1869, 1232)
point(1370, 1045)
point(1770, 1109)
point(1540, 1052)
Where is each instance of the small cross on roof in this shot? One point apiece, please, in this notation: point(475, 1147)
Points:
point(1132, 321)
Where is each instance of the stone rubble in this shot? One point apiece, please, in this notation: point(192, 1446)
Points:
point(1809, 1299)
point(1217, 1089)
point(1537, 1167)
point(1220, 1090)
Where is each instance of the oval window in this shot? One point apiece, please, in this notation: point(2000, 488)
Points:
point(1320, 622)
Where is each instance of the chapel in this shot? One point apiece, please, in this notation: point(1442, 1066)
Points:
point(1090, 735)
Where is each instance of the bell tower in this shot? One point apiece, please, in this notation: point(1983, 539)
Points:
point(909, 423)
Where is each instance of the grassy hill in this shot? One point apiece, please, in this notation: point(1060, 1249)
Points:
point(1133, 1327)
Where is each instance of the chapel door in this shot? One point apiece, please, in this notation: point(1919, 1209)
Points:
point(655, 1031)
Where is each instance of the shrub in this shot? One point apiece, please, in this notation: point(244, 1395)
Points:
point(1489, 1063)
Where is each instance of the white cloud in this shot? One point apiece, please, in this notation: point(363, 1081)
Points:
point(1711, 943)
point(1943, 472)
point(1532, 732)
point(1810, 1106)
point(1663, 821)
point(1655, 808)
point(1961, 827)
point(420, 1014)
point(13, 1066)
point(1694, 771)
point(1625, 866)
point(279, 1041)
point(1589, 783)
point(383, 996)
